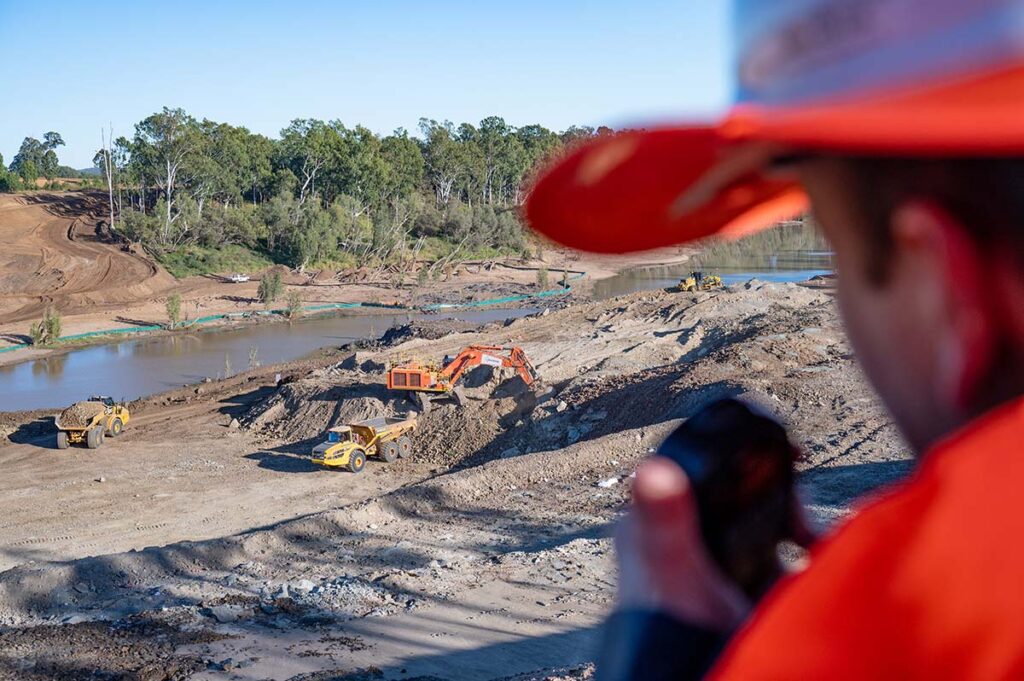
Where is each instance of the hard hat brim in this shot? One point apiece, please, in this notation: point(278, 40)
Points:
point(640, 190)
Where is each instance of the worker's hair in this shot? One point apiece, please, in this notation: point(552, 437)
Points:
point(985, 194)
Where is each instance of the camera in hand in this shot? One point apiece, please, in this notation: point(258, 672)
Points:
point(740, 466)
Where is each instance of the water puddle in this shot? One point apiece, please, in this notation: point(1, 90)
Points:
point(147, 365)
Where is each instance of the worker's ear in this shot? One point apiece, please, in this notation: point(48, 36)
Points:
point(944, 263)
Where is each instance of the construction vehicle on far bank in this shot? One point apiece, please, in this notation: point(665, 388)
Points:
point(349, 446)
point(697, 281)
point(90, 421)
point(428, 382)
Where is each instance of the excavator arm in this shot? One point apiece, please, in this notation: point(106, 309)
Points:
point(494, 355)
point(467, 357)
point(518, 360)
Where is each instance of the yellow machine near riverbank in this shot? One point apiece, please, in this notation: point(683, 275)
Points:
point(348, 446)
point(698, 282)
point(90, 422)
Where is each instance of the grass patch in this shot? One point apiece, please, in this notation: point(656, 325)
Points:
point(194, 260)
point(434, 248)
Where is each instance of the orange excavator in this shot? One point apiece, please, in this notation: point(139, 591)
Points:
point(428, 382)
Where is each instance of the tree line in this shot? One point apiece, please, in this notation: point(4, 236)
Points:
point(323, 193)
point(38, 159)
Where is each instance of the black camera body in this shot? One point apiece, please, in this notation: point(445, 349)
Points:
point(740, 466)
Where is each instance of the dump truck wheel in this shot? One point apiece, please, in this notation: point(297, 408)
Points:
point(356, 461)
point(92, 438)
point(404, 446)
point(389, 452)
point(115, 428)
point(62, 439)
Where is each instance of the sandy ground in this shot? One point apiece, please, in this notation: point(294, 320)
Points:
point(195, 547)
point(57, 256)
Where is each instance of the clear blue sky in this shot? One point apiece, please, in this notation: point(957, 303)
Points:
point(75, 66)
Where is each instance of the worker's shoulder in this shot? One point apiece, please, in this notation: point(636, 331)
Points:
point(934, 560)
point(959, 508)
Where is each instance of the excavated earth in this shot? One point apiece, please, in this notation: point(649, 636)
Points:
point(80, 413)
point(55, 255)
point(486, 556)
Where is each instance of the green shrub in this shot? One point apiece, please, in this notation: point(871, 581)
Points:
point(173, 306)
point(270, 288)
point(294, 310)
point(198, 260)
point(47, 330)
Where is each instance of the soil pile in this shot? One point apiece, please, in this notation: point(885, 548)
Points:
point(80, 414)
point(299, 412)
point(427, 329)
point(302, 410)
point(140, 648)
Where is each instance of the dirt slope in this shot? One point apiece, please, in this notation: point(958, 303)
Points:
point(52, 255)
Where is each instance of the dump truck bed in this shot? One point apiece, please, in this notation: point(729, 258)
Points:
point(381, 422)
point(383, 427)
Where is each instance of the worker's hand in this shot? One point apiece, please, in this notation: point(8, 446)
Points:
point(663, 563)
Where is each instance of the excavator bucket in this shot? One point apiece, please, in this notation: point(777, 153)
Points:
point(422, 400)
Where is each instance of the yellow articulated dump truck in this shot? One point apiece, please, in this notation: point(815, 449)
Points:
point(348, 446)
point(90, 421)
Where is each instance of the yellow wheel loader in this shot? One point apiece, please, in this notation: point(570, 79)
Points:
point(90, 421)
point(349, 446)
point(698, 282)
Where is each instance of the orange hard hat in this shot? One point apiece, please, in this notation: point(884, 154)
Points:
point(942, 78)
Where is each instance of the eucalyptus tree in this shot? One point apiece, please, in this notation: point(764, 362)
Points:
point(442, 158)
point(165, 144)
point(307, 147)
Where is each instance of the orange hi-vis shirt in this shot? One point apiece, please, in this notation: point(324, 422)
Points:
point(927, 582)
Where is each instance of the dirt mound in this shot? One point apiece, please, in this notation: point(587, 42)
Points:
point(288, 276)
point(324, 276)
point(139, 648)
point(448, 435)
point(80, 414)
point(426, 329)
point(303, 410)
point(300, 411)
point(53, 255)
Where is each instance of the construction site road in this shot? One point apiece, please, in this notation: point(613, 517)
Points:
point(204, 544)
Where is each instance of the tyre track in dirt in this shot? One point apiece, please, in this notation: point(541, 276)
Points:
point(53, 256)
